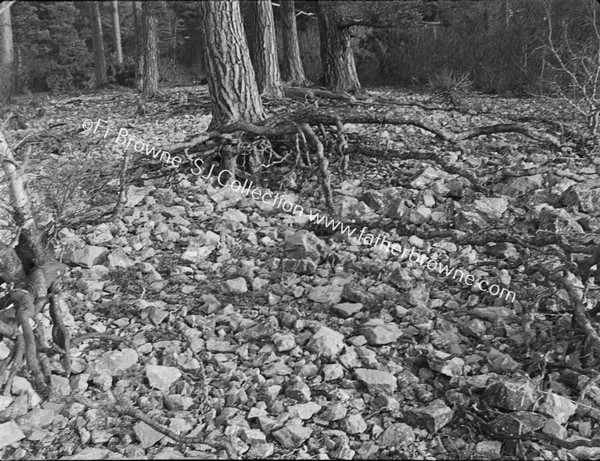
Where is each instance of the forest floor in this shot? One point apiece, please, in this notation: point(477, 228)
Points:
point(265, 335)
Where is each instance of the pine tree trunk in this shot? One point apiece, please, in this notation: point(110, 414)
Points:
point(7, 59)
point(293, 70)
point(98, 42)
point(117, 32)
point(150, 83)
point(263, 50)
point(339, 70)
point(231, 79)
point(139, 46)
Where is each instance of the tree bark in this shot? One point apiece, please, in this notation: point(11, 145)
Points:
point(263, 49)
point(98, 42)
point(137, 25)
point(7, 58)
point(339, 69)
point(231, 79)
point(117, 32)
point(150, 82)
point(293, 70)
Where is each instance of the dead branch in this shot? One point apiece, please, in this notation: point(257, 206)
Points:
point(128, 410)
point(314, 93)
point(103, 336)
point(123, 183)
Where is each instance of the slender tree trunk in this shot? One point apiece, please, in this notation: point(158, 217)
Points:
point(293, 70)
point(231, 79)
point(150, 83)
point(339, 70)
point(263, 50)
point(139, 46)
point(7, 58)
point(117, 32)
point(98, 42)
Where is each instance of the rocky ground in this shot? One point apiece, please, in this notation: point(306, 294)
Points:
point(260, 335)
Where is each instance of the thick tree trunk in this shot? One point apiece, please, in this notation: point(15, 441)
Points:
point(339, 70)
point(7, 59)
point(150, 83)
point(231, 79)
point(98, 42)
point(117, 32)
point(263, 50)
point(139, 46)
point(293, 71)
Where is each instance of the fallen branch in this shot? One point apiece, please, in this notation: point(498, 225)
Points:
point(314, 93)
point(128, 410)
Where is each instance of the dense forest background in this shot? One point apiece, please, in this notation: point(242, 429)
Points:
point(497, 46)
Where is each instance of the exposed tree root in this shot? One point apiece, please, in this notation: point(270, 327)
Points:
point(287, 124)
point(323, 165)
point(30, 272)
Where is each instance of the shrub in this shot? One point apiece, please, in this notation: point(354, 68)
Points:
point(449, 85)
point(122, 74)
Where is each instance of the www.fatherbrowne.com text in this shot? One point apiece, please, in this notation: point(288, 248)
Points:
point(247, 188)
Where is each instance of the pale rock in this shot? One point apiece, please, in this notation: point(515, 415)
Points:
point(235, 286)
point(326, 342)
point(146, 435)
point(494, 314)
point(334, 412)
point(304, 410)
point(553, 427)
point(60, 387)
point(434, 416)
point(253, 436)
point(5, 401)
point(332, 372)
point(10, 433)
point(488, 449)
point(346, 310)
point(492, 207)
point(328, 294)
point(302, 244)
point(114, 363)
point(378, 333)
point(298, 391)
point(396, 435)
point(376, 381)
point(119, 259)
point(161, 377)
point(260, 451)
point(284, 342)
point(292, 436)
point(354, 424)
point(135, 195)
point(87, 256)
point(355, 294)
point(197, 252)
point(235, 216)
point(177, 402)
point(92, 454)
point(558, 407)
